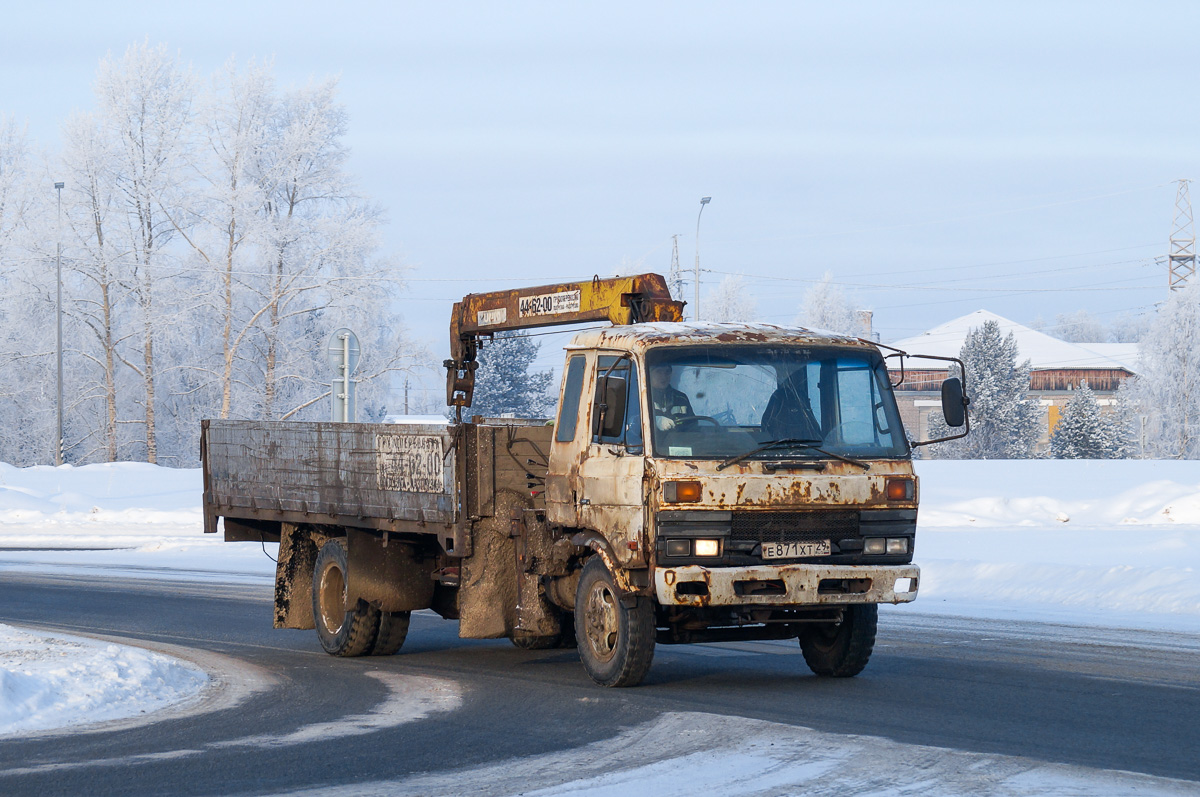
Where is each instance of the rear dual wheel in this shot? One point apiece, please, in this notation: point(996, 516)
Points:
point(358, 630)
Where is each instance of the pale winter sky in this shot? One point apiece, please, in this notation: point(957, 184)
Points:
point(938, 158)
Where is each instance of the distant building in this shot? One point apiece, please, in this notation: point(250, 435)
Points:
point(1058, 367)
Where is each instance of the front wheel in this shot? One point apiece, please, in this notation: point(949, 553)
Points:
point(842, 650)
point(616, 641)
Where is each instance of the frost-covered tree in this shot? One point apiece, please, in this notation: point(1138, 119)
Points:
point(1167, 387)
point(27, 333)
point(145, 105)
point(730, 301)
point(1130, 327)
point(504, 382)
point(228, 212)
point(1005, 422)
point(1079, 327)
point(825, 307)
point(212, 242)
point(1083, 431)
point(98, 284)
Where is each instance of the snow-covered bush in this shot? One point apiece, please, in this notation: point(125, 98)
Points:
point(504, 384)
point(1005, 422)
point(1084, 432)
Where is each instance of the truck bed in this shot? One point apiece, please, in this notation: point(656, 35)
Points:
point(390, 477)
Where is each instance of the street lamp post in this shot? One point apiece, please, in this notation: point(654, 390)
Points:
point(704, 200)
point(58, 448)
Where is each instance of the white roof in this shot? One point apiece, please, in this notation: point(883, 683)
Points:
point(1043, 351)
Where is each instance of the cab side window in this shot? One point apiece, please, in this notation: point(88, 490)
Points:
point(619, 374)
point(568, 410)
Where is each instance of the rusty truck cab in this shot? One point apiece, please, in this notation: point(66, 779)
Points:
point(736, 465)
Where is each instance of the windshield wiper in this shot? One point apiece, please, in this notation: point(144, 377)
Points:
point(790, 442)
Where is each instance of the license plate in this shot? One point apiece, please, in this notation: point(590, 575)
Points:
point(795, 550)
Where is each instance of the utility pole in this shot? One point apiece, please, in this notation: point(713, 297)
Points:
point(1181, 257)
point(675, 280)
point(704, 200)
point(406, 395)
point(58, 446)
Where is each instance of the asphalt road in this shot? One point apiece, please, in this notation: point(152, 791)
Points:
point(1108, 699)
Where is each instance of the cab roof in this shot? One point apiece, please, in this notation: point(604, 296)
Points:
point(639, 337)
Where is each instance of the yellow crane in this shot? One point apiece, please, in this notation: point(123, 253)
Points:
point(619, 300)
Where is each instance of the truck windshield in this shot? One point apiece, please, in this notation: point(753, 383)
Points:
point(716, 402)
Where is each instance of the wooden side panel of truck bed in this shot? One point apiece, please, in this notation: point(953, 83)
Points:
point(390, 477)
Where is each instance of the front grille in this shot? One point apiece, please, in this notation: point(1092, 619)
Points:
point(759, 527)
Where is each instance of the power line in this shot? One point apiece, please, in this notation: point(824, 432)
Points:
point(951, 220)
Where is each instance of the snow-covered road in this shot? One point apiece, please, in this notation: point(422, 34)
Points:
point(1101, 543)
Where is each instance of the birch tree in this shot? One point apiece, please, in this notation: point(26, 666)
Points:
point(1166, 388)
point(730, 301)
point(97, 287)
point(227, 222)
point(826, 307)
point(26, 339)
point(145, 103)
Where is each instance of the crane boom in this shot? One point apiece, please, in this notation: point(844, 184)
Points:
point(619, 300)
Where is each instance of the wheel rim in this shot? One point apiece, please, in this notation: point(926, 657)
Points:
point(333, 598)
point(601, 625)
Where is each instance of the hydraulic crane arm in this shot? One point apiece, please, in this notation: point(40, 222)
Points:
point(620, 300)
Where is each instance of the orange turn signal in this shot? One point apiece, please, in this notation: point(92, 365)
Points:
point(681, 492)
point(899, 489)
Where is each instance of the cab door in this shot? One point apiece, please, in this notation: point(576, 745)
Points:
point(612, 466)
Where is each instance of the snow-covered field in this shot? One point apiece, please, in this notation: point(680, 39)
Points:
point(1113, 543)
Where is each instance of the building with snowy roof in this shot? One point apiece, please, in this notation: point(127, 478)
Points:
point(1058, 367)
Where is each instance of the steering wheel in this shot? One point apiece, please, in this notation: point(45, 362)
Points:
point(691, 420)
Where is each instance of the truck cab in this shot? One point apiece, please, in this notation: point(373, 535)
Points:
point(749, 478)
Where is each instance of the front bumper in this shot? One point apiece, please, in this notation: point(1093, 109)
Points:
point(784, 585)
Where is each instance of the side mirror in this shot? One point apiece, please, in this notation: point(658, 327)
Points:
point(612, 412)
point(954, 403)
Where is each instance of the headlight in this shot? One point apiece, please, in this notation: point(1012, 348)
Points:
point(875, 545)
point(707, 547)
point(897, 545)
point(679, 547)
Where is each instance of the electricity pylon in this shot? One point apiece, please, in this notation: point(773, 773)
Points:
point(1181, 258)
point(675, 280)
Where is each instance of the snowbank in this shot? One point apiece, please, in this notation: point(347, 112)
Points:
point(1052, 493)
point(54, 680)
point(1112, 542)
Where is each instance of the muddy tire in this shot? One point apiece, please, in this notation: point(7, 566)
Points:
point(393, 629)
point(343, 631)
point(842, 651)
point(616, 642)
